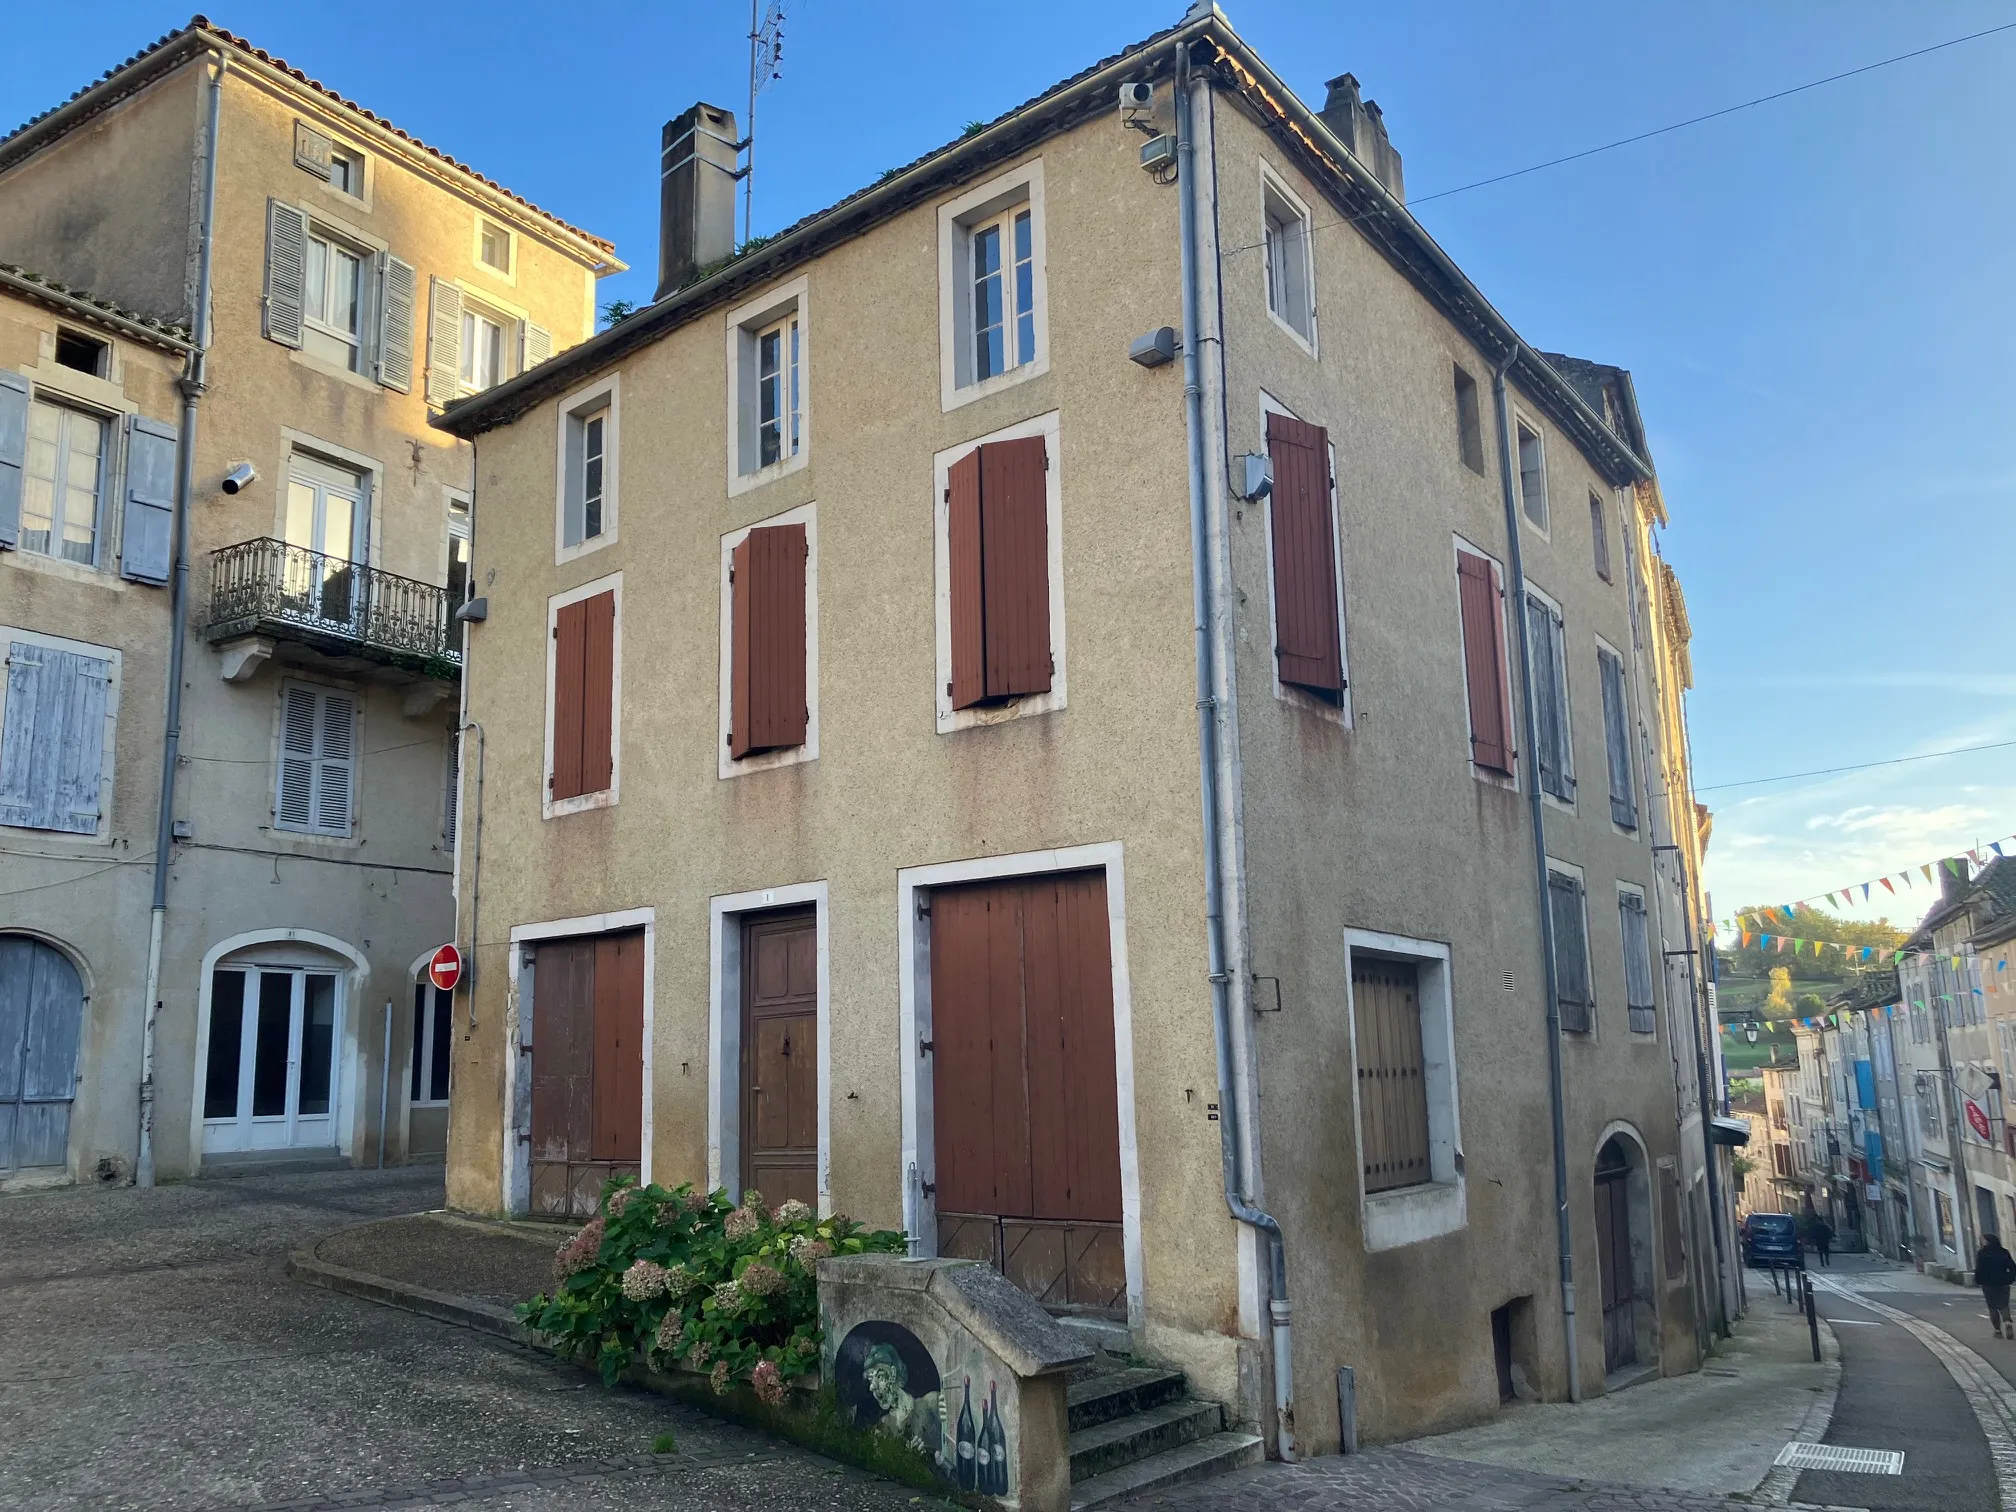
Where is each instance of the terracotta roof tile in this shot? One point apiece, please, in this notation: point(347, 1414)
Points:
point(166, 329)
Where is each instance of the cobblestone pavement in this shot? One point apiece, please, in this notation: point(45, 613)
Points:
point(154, 1355)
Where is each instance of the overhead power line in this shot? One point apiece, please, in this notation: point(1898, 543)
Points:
point(1863, 766)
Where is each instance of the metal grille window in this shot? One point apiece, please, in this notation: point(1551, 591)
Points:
point(63, 484)
point(318, 753)
point(1637, 962)
point(1392, 1076)
point(1573, 994)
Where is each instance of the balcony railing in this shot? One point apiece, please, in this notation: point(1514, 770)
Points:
point(268, 587)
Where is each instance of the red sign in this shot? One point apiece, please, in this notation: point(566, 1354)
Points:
point(444, 968)
point(1978, 1120)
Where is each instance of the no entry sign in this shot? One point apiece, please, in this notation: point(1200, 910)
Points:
point(444, 968)
point(1978, 1120)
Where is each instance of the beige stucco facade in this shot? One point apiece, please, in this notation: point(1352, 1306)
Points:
point(105, 193)
point(1355, 825)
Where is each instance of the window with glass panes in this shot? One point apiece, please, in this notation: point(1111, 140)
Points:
point(332, 301)
point(1004, 293)
point(482, 350)
point(458, 552)
point(777, 394)
point(494, 247)
point(63, 483)
point(587, 476)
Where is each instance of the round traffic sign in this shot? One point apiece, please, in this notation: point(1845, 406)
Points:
point(444, 968)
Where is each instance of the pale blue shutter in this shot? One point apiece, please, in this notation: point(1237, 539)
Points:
point(1617, 736)
point(538, 345)
point(13, 454)
point(334, 754)
point(398, 288)
point(286, 272)
point(146, 541)
point(52, 739)
point(294, 807)
point(444, 342)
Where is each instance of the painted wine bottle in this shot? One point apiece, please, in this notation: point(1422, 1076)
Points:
point(983, 1451)
point(962, 1439)
point(997, 1445)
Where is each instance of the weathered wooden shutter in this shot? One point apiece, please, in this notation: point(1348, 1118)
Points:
point(453, 801)
point(1392, 1073)
point(286, 272)
point(444, 341)
point(1545, 632)
point(1599, 533)
point(311, 150)
point(1308, 650)
point(13, 455)
point(1015, 566)
point(295, 806)
point(318, 750)
point(335, 763)
point(1571, 952)
point(146, 541)
point(968, 610)
point(618, 1053)
point(584, 667)
point(1617, 736)
point(569, 642)
point(767, 708)
point(1484, 663)
point(52, 744)
point(398, 287)
point(1637, 962)
point(538, 345)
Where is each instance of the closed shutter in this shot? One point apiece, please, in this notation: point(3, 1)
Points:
point(1308, 650)
point(1637, 963)
point(52, 741)
point(318, 752)
point(1617, 736)
point(584, 665)
point(311, 150)
point(1599, 534)
point(13, 455)
point(453, 800)
point(398, 288)
point(1484, 663)
point(1571, 952)
point(286, 272)
point(146, 538)
point(962, 539)
point(444, 342)
point(1550, 698)
point(767, 651)
point(1015, 566)
point(538, 345)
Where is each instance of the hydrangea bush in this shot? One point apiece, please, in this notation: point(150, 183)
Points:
point(696, 1280)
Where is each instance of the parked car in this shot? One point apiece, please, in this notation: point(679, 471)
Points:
point(1771, 1239)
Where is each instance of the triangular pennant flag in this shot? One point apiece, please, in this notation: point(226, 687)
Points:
point(1974, 856)
point(1781, 943)
point(1907, 879)
point(1868, 951)
point(1898, 959)
point(1865, 892)
point(1995, 846)
point(1927, 870)
point(1744, 937)
point(1886, 884)
point(1830, 901)
point(1953, 865)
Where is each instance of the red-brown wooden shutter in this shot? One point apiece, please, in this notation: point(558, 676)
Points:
point(584, 674)
point(1015, 566)
point(569, 641)
point(1484, 663)
point(619, 1047)
point(1307, 646)
point(767, 684)
point(962, 545)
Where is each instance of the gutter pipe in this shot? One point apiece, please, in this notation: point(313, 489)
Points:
point(1564, 1233)
point(1204, 607)
point(1710, 1104)
point(192, 386)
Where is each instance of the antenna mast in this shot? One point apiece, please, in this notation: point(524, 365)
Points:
point(766, 58)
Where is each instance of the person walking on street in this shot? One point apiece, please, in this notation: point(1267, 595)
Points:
point(1821, 1233)
point(1994, 1270)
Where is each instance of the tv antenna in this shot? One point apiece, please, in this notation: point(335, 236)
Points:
point(766, 65)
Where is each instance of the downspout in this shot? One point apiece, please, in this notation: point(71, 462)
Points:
point(1710, 1104)
point(1564, 1233)
point(1204, 612)
point(192, 385)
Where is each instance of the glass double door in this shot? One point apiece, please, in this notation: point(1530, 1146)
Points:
point(327, 529)
point(270, 1081)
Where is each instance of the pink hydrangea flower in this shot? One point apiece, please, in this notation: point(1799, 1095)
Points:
point(740, 1224)
point(718, 1377)
point(793, 1211)
point(760, 1280)
point(644, 1280)
point(579, 1253)
point(768, 1383)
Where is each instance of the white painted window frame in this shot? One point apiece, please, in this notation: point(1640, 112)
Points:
point(108, 751)
point(744, 324)
point(111, 475)
point(914, 1018)
point(1339, 713)
point(422, 1053)
point(724, 1039)
point(1274, 186)
point(950, 719)
point(1440, 1205)
point(557, 808)
point(1543, 527)
point(603, 393)
point(763, 761)
point(957, 218)
point(509, 272)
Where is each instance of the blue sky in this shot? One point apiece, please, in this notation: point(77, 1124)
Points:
point(1812, 296)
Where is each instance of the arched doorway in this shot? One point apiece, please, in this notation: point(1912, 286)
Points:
point(427, 1069)
point(1614, 1260)
point(272, 1074)
point(41, 1022)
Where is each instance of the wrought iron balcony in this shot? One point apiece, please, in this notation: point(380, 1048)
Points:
point(270, 588)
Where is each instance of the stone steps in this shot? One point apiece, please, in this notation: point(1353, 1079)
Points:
point(1136, 1427)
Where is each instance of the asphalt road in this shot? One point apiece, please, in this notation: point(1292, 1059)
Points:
point(154, 1355)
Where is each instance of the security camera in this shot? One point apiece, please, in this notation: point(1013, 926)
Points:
point(1135, 98)
point(240, 478)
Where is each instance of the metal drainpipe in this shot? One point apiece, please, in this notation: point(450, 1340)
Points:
point(1564, 1233)
point(1710, 1105)
point(1204, 610)
point(192, 385)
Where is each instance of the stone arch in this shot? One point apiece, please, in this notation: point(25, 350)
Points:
point(45, 996)
point(1626, 1252)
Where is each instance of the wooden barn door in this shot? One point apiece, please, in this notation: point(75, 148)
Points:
point(1027, 1109)
point(780, 1057)
point(587, 1069)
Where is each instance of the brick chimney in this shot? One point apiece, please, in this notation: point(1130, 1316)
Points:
point(696, 194)
point(1361, 126)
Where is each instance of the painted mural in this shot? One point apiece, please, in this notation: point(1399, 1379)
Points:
point(886, 1379)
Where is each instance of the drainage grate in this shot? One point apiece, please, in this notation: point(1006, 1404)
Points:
point(1835, 1457)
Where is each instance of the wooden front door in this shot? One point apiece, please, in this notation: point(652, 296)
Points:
point(780, 1056)
point(1023, 1086)
point(587, 1069)
point(41, 1023)
point(1613, 1258)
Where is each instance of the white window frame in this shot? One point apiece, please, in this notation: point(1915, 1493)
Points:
point(1566, 805)
point(762, 761)
point(958, 219)
point(352, 832)
point(360, 162)
point(317, 452)
point(476, 312)
point(1412, 1215)
point(108, 749)
point(1633, 889)
point(335, 242)
point(1338, 713)
point(949, 718)
point(111, 472)
point(745, 325)
point(422, 1052)
point(1299, 255)
point(509, 272)
point(1543, 526)
point(1507, 641)
point(458, 512)
point(549, 806)
point(603, 394)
